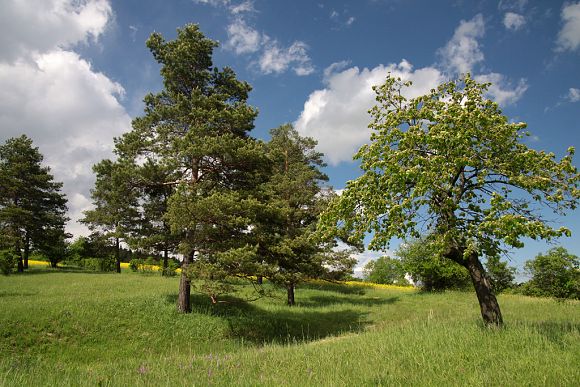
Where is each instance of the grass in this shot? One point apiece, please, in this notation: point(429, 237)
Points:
point(71, 328)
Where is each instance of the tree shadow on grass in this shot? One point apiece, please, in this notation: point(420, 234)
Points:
point(319, 301)
point(51, 270)
point(281, 325)
point(336, 287)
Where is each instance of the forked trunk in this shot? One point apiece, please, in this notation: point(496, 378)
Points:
point(487, 302)
point(183, 300)
point(290, 290)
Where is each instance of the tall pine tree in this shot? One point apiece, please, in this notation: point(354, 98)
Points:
point(32, 208)
point(197, 128)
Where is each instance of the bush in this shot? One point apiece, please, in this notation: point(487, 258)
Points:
point(134, 264)
point(554, 274)
point(98, 264)
point(171, 269)
point(7, 261)
point(385, 270)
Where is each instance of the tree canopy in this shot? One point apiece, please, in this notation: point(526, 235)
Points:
point(449, 164)
point(554, 274)
point(32, 208)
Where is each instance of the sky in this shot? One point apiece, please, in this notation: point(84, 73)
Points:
point(73, 73)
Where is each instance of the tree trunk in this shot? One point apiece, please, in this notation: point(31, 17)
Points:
point(20, 262)
point(183, 300)
point(260, 280)
point(26, 250)
point(118, 255)
point(487, 302)
point(290, 289)
point(165, 260)
point(53, 263)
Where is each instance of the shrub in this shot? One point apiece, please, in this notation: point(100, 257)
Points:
point(98, 264)
point(554, 274)
point(7, 261)
point(171, 269)
point(134, 264)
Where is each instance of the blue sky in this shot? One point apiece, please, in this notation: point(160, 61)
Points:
point(73, 73)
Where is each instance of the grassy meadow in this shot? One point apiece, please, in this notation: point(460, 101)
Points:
point(60, 327)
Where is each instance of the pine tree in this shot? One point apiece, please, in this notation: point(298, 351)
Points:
point(32, 208)
point(196, 127)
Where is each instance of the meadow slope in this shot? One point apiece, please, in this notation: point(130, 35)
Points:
point(75, 328)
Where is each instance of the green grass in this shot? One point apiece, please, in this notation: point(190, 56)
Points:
point(71, 328)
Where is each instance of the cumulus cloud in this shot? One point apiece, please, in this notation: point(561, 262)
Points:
point(55, 97)
point(517, 5)
point(277, 59)
point(513, 21)
point(38, 26)
point(573, 95)
point(501, 89)
point(462, 52)
point(243, 39)
point(569, 35)
point(337, 115)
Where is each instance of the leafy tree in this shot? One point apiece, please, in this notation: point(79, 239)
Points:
point(293, 201)
point(451, 165)
point(554, 274)
point(385, 270)
point(500, 274)
point(115, 200)
point(31, 204)
point(196, 128)
point(420, 259)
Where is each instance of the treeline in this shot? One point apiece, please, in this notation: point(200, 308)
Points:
point(553, 274)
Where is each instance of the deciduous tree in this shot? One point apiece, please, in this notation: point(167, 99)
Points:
point(451, 165)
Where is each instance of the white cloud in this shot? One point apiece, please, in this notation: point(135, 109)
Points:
point(350, 20)
point(246, 6)
point(501, 90)
point(54, 96)
point(243, 39)
point(462, 52)
point(569, 35)
point(38, 26)
point(337, 115)
point(513, 21)
point(277, 59)
point(573, 95)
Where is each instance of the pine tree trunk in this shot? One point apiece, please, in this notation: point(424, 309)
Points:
point(290, 289)
point(165, 261)
point(487, 301)
point(118, 255)
point(26, 250)
point(260, 280)
point(20, 262)
point(183, 300)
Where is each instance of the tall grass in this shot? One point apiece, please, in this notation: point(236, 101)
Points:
point(66, 328)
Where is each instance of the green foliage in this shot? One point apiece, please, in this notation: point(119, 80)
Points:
point(193, 139)
point(103, 264)
point(385, 270)
point(7, 261)
point(134, 264)
point(554, 274)
point(432, 272)
point(291, 201)
point(500, 274)
point(171, 269)
point(32, 208)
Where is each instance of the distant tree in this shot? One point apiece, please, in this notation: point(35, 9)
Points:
point(500, 274)
point(385, 270)
point(420, 259)
point(293, 200)
point(115, 213)
point(554, 274)
point(449, 163)
point(197, 128)
point(31, 204)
